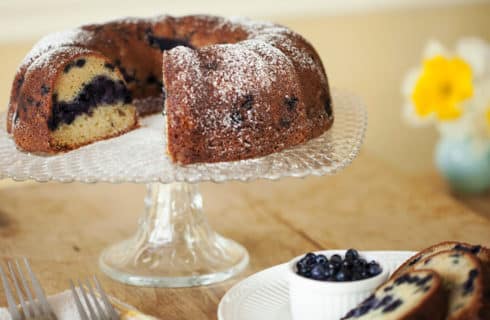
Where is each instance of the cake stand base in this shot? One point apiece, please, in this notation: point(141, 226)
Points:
point(174, 245)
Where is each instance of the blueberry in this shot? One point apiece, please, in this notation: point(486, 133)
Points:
point(236, 118)
point(332, 267)
point(301, 264)
point(290, 102)
point(340, 276)
point(80, 63)
point(356, 276)
point(303, 271)
point(310, 255)
point(318, 272)
point(310, 259)
point(327, 274)
point(109, 66)
point(347, 264)
point(362, 262)
point(44, 89)
point(374, 268)
point(321, 259)
point(351, 255)
point(336, 259)
point(248, 102)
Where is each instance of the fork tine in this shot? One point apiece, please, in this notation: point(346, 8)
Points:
point(25, 309)
point(81, 311)
point(91, 292)
point(36, 311)
point(88, 303)
point(112, 313)
point(12, 306)
point(41, 296)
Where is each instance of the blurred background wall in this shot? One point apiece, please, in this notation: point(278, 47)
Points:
point(366, 45)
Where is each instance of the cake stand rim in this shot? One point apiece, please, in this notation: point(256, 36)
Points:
point(319, 171)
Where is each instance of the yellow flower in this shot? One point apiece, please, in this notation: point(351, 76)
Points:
point(443, 85)
point(488, 118)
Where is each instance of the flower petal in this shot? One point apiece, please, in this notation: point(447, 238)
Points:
point(476, 52)
point(434, 48)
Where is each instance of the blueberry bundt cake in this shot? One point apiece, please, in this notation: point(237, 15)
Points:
point(463, 277)
point(231, 89)
point(416, 295)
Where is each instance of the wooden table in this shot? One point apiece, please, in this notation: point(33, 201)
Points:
point(63, 228)
point(374, 204)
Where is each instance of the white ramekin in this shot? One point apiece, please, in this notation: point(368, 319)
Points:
point(328, 300)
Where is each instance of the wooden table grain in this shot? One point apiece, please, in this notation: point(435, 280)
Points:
point(62, 228)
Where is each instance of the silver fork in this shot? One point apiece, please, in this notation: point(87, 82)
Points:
point(94, 310)
point(32, 308)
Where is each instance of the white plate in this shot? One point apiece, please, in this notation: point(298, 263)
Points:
point(264, 295)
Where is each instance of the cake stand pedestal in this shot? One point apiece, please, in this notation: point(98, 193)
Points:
point(174, 245)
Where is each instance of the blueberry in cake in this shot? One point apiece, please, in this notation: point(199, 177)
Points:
point(351, 267)
point(231, 88)
point(415, 295)
point(463, 277)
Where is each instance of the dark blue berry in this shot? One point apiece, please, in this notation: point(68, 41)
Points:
point(340, 276)
point(356, 276)
point(80, 63)
point(347, 264)
point(351, 255)
point(248, 102)
point(290, 102)
point(101, 90)
point(327, 274)
point(109, 66)
point(337, 259)
point(374, 268)
point(318, 272)
point(321, 259)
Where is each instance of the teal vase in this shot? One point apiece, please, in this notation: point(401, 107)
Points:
point(464, 164)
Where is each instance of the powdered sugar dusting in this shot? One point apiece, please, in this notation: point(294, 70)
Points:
point(54, 41)
point(48, 61)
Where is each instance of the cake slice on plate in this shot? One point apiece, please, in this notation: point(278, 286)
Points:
point(415, 295)
point(481, 252)
point(465, 280)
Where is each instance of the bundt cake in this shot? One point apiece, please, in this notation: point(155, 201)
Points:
point(416, 295)
point(230, 89)
point(463, 277)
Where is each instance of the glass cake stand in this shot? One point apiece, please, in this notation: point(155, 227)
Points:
point(174, 245)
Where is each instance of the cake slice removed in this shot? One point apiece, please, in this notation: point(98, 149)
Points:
point(463, 277)
point(90, 102)
point(416, 295)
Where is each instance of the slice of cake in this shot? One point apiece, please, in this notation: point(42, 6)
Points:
point(79, 99)
point(415, 295)
point(90, 103)
point(463, 277)
point(481, 252)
